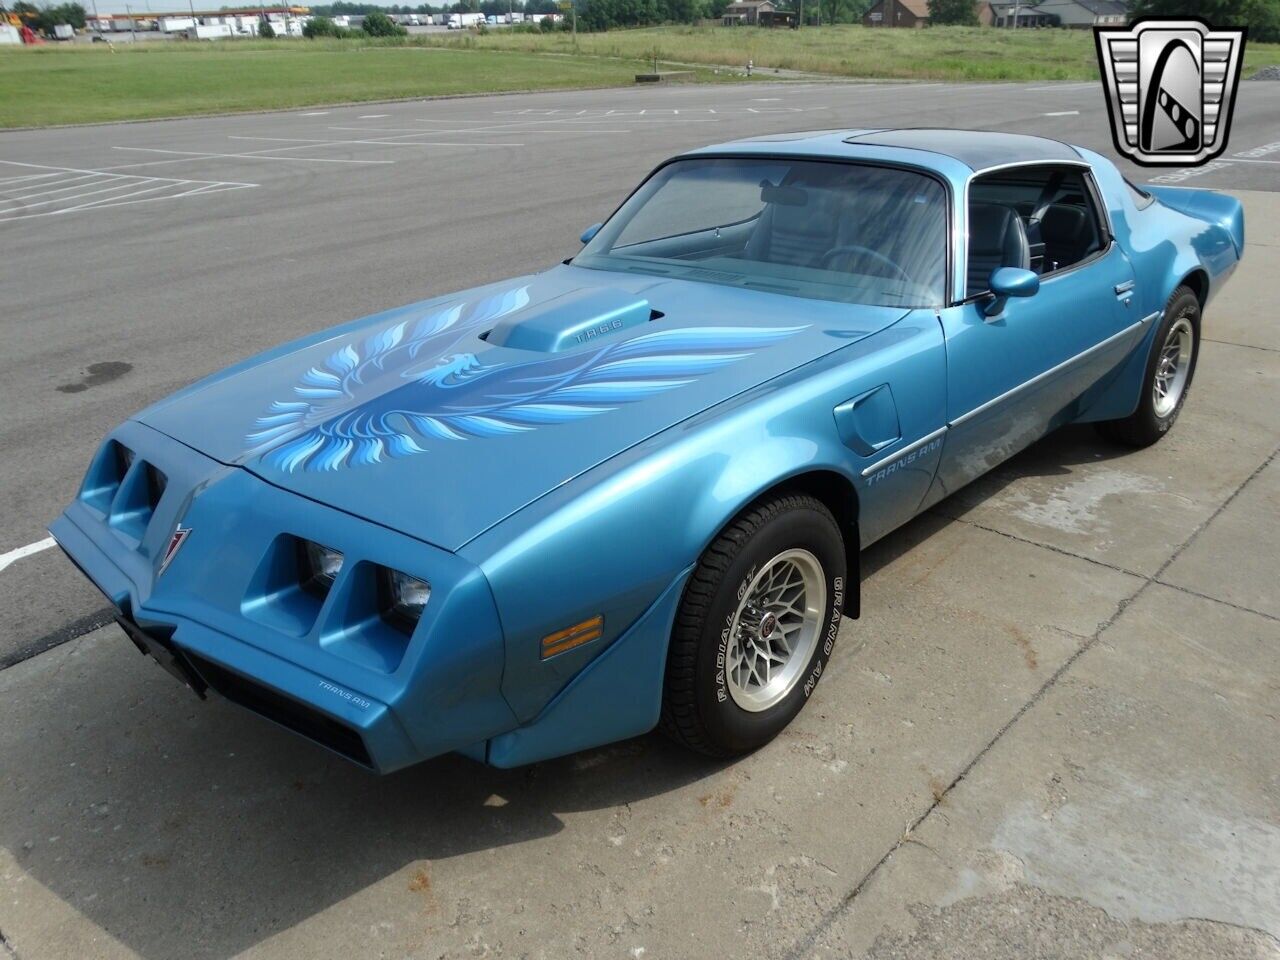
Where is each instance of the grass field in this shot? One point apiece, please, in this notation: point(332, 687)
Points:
point(86, 83)
point(940, 53)
point(52, 85)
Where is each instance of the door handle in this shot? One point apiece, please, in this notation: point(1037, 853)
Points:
point(1124, 292)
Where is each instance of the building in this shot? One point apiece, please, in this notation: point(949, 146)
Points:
point(747, 12)
point(897, 13)
point(915, 13)
point(1027, 14)
point(1085, 13)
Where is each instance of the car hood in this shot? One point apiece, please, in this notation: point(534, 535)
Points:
point(442, 418)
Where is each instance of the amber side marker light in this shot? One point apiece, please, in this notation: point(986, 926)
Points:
point(571, 637)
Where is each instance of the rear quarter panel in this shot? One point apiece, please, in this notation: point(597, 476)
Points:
point(1165, 247)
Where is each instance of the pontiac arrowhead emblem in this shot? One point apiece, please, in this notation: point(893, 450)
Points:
point(1170, 86)
point(175, 543)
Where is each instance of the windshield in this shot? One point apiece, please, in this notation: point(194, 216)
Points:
point(827, 231)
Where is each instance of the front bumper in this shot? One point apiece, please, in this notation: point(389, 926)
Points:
point(217, 618)
point(351, 725)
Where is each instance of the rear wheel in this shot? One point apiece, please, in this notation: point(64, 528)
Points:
point(755, 627)
point(1167, 377)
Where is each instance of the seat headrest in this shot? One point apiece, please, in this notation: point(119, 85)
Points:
point(815, 219)
point(1063, 222)
point(989, 225)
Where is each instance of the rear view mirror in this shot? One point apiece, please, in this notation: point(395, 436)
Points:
point(590, 232)
point(1009, 282)
point(784, 196)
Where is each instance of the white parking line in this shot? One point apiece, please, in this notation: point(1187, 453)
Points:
point(1064, 113)
point(121, 183)
point(71, 180)
point(247, 156)
point(558, 131)
point(27, 176)
point(1187, 173)
point(13, 556)
point(505, 126)
point(79, 189)
point(379, 143)
point(315, 113)
point(373, 116)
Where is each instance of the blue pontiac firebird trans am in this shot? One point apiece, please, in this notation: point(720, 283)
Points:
point(631, 491)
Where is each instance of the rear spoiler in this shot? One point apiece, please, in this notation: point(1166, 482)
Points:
point(1207, 205)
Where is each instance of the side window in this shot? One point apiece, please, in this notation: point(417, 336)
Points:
point(1036, 218)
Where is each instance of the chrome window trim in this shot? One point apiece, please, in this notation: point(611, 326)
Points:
point(949, 194)
point(1051, 277)
point(960, 279)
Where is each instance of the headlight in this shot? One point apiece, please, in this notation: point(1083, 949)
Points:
point(124, 459)
point(318, 567)
point(402, 598)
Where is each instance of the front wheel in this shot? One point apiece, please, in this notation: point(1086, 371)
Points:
point(755, 627)
point(1167, 376)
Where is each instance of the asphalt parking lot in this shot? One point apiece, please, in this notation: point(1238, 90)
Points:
point(1052, 733)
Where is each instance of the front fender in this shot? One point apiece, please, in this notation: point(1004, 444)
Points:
point(613, 540)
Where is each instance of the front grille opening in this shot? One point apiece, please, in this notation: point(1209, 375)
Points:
point(156, 482)
point(289, 713)
point(285, 593)
point(102, 482)
point(136, 500)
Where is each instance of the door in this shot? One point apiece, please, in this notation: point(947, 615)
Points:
point(1014, 376)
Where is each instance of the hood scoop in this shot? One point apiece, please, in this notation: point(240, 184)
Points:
point(571, 320)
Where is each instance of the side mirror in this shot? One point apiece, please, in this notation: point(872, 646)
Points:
point(1009, 282)
point(590, 232)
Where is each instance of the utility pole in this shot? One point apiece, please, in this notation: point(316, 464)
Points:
point(133, 34)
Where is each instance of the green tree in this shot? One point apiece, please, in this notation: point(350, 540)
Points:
point(324, 27)
point(266, 30)
point(378, 24)
point(1262, 17)
point(953, 12)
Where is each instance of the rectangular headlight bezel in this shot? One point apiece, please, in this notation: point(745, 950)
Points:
point(318, 567)
point(402, 598)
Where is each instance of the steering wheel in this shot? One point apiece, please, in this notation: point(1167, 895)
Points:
point(875, 255)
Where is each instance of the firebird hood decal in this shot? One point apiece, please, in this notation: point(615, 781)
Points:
point(413, 419)
point(391, 393)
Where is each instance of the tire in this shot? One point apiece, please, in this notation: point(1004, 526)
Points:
point(715, 702)
point(1156, 415)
